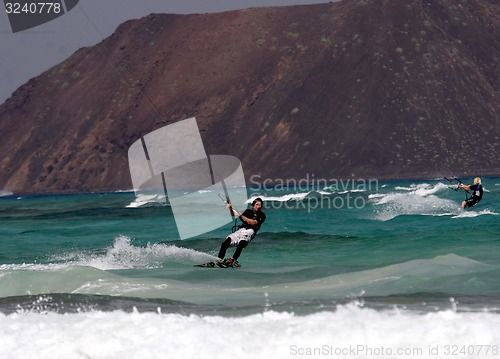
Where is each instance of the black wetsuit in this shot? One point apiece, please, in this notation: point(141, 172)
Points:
point(259, 216)
point(477, 195)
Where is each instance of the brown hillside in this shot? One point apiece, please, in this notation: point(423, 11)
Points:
point(379, 89)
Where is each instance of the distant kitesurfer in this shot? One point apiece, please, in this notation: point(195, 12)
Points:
point(477, 193)
point(252, 220)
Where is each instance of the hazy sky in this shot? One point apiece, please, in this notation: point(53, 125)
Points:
point(28, 53)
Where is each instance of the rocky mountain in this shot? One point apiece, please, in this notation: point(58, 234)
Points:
point(357, 88)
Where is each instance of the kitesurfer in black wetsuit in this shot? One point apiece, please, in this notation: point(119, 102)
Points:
point(477, 193)
point(252, 220)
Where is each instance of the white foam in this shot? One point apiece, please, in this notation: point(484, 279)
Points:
point(400, 188)
point(144, 200)
point(418, 199)
point(427, 190)
point(472, 214)
point(124, 255)
point(357, 190)
point(423, 189)
point(349, 332)
point(284, 198)
point(376, 195)
point(32, 267)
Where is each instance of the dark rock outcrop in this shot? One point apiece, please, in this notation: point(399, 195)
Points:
point(373, 89)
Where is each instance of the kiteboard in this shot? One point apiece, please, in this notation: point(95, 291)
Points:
point(220, 264)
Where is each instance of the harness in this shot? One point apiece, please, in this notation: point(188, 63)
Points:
point(235, 226)
point(477, 192)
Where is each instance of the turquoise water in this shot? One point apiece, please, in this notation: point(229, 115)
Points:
point(396, 244)
point(395, 270)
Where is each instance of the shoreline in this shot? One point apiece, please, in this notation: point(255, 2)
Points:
point(267, 185)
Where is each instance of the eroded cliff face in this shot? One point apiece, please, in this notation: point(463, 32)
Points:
point(373, 89)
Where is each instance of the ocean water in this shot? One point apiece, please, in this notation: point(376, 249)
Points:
point(344, 270)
